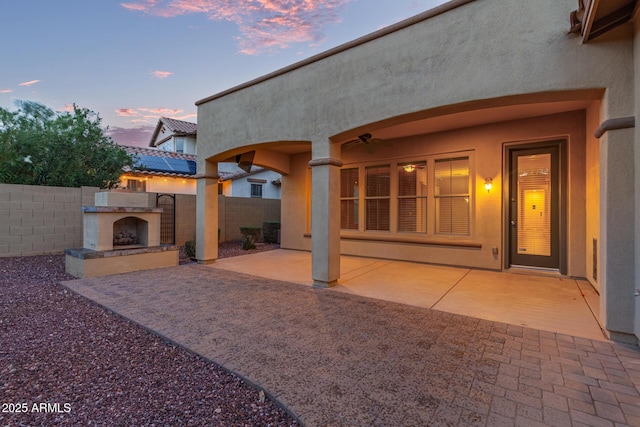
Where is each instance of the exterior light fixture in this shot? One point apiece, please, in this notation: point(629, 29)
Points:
point(409, 168)
point(488, 183)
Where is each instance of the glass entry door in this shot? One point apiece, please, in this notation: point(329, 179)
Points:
point(534, 212)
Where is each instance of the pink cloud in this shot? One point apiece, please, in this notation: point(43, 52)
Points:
point(151, 115)
point(161, 74)
point(264, 24)
point(29, 83)
point(6, 90)
point(126, 112)
point(161, 112)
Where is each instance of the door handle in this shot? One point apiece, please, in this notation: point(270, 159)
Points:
point(513, 223)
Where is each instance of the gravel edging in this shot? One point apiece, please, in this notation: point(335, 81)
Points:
point(64, 360)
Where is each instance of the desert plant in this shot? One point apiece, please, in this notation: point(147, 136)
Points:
point(190, 248)
point(250, 236)
point(248, 243)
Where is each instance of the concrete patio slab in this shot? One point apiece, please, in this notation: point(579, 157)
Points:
point(338, 359)
point(547, 303)
point(553, 304)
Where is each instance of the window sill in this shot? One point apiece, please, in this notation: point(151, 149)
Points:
point(411, 240)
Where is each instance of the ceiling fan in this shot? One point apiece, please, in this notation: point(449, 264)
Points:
point(367, 142)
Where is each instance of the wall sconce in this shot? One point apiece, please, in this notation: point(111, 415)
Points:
point(488, 183)
point(409, 168)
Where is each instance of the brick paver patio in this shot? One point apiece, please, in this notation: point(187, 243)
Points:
point(338, 359)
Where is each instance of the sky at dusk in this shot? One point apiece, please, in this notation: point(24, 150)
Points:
point(134, 61)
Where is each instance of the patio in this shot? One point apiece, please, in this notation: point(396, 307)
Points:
point(336, 358)
point(522, 298)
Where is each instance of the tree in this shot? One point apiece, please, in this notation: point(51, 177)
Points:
point(66, 149)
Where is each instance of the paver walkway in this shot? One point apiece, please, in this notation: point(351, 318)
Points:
point(337, 359)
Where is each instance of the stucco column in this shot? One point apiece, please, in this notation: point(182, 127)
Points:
point(325, 214)
point(207, 213)
point(617, 229)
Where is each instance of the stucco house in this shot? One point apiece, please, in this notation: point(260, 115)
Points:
point(175, 136)
point(169, 166)
point(495, 134)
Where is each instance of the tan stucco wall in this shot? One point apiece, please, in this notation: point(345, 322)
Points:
point(592, 194)
point(494, 49)
point(84, 268)
point(296, 204)
point(486, 53)
point(487, 161)
point(485, 143)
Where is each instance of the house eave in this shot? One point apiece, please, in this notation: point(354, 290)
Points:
point(594, 18)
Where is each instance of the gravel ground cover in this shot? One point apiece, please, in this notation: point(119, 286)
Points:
point(66, 361)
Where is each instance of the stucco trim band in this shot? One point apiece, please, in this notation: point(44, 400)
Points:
point(324, 162)
point(453, 4)
point(389, 239)
point(615, 124)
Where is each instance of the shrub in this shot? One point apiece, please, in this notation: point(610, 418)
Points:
point(250, 236)
point(270, 231)
point(248, 243)
point(190, 248)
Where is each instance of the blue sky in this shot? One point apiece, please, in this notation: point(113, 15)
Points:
point(133, 61)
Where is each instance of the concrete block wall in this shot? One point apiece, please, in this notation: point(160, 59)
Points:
point(236, 212)
point(37, 220)
point(185, 218)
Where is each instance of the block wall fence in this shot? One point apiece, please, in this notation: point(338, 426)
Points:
point(36, 220)
point(39, 220)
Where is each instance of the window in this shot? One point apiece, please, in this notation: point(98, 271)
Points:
point(256, 190)
point(136, 185)
point(349, 199)
point(179, 145)
point(432, 195)
point(377, 197)
point(167, 146)
point(451, 193)
point(412, 197)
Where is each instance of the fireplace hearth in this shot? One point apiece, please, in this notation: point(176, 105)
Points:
point(121, 234)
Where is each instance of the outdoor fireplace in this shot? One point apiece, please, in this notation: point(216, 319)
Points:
point(121, 234)
point(130, 232)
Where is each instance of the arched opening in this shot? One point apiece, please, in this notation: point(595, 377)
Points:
point(130, 232)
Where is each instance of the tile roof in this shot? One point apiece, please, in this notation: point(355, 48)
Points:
point(227, 171)
point(177, 128)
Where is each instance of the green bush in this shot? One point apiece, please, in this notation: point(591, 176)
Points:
point(250, 236)
point(248, 243)
point(190, 248)
point(270, 231)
